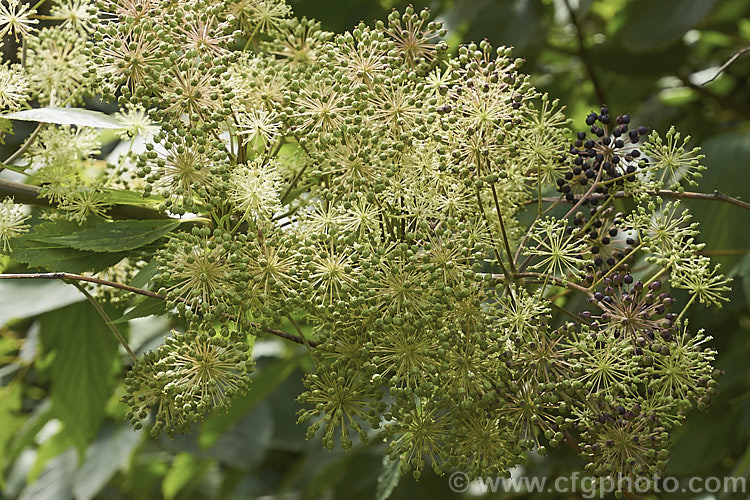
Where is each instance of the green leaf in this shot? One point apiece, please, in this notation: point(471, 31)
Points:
point(116, 236)
point(49, 448)
point(144, 307)
point(264, 382)
point(185, 468)
point(57, 258)
point(109, 453)
point(82, 369)
point(388, 478)
point(742, 269)
point(143, 278)
point(26, 298)
point(10, 417)
point(123, 197)
point(29, 249)
point(653, 25)
point(32, 425)
point(67, 116)
point(721, 223)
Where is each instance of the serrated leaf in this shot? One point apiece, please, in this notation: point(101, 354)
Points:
point(653, 25)
point(82, 369)
point(388, 478)
point(29, 249)
point(57, 258)
point(116, 236)
point(107, 454)
point(67, 116)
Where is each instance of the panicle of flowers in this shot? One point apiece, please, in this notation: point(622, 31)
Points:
point(371, 184)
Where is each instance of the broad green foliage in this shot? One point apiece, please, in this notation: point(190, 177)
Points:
point(81, 372)
point(369, 235)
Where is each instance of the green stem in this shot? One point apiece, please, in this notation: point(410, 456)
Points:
point(494, 245)
point(502, 228)
point(684, 309)
point(24, 146)
point(105, 317)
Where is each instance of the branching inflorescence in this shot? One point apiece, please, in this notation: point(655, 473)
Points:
point(370, 185)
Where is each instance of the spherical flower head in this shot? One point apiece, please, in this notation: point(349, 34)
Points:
point(12, 220)
point(57, 66)
point(632, 309)
point(341, 402)
point(419, 433)
point(623, 442)
point(197, 271)
point(701, 281)
point(266, 15)
point(65, 145)
point(136, 123)
point(16, 19)
point(78, 15)
point(674, 159)
point(255, 189)
point(191, 374)
point(679, 366)
point(558, 252)
point(13, 88)
point(259, 127)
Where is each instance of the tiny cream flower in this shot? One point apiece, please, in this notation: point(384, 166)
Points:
point(16, 19)
point(12, 221)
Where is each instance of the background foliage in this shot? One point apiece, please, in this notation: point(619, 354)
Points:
point(652, 59)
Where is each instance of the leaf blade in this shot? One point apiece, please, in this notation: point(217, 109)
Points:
point(67, 116)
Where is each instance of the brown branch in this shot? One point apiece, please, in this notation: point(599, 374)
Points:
point(715, 196)
point(724, 66)
point(79, 277)
point(583, 55)
point(721, 100)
